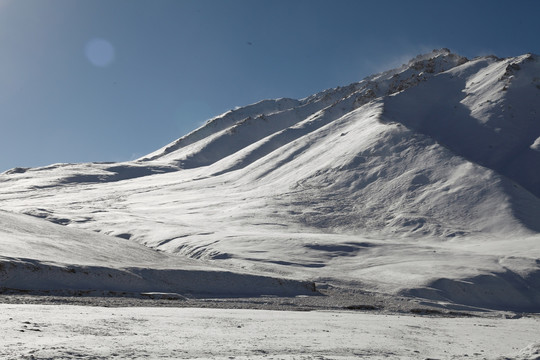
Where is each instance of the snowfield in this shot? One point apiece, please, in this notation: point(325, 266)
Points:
point(422, 182)
point(80, 261)
point(68, 332)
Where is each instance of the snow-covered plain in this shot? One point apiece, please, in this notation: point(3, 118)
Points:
point(422, 181)
point(75, 332)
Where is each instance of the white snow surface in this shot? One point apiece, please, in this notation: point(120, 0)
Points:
point(69, 332)
point(422, 180)
point(38, 255)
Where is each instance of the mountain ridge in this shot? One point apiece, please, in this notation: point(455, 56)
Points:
point(435, 94)
point(429, 165)
point(367, 88)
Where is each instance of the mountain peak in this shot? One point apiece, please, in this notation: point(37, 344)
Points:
point(436, 61)
point(340, 185)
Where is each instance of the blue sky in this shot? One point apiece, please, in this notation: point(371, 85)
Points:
point(112, 80)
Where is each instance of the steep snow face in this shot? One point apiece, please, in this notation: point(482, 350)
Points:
point(420, 173)
point(486, 111)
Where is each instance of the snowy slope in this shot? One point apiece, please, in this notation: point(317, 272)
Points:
point(38, 255)
point(421, 180)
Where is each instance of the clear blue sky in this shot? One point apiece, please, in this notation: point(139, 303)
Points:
point(111, 80)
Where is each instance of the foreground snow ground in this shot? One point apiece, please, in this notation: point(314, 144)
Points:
point(84, 332)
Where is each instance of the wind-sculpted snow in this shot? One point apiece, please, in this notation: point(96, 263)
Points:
point(230, 118)
point(432, 167)
point(37, 255)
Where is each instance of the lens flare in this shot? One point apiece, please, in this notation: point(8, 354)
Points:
point(99, 52)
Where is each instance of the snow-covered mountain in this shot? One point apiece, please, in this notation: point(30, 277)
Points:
point(422, 180)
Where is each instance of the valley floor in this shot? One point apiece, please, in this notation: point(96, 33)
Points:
point(53, 327)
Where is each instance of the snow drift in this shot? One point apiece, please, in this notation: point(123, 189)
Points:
point(416, 180)
point(71, 261)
